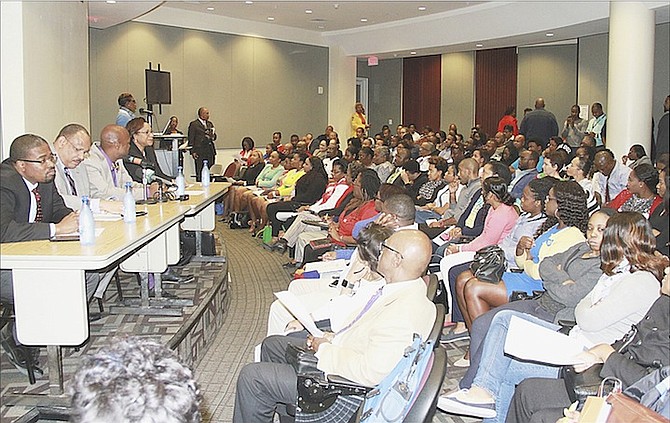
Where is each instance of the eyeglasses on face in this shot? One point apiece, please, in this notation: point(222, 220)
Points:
point(50, 158)
point(393, 250)
point(84, 152)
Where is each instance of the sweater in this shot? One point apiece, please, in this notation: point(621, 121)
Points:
point(497, 225)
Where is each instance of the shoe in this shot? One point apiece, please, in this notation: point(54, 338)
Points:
point(290, 265)
point(16, 354)
point(170, 276)
point(456, 404)
point(280, 246)
point(462, 362)
point(164, 294)
point(453, 337)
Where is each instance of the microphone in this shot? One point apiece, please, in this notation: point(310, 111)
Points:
point(151, 177)
point(146, 112)
point(138, 161)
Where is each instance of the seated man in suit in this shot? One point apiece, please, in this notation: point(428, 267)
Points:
point(366, 349)
point(30, 209)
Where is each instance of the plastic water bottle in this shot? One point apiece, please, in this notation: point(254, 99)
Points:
point(204, 175)
point(129, 212)
point(86, 223)
point(181, 182)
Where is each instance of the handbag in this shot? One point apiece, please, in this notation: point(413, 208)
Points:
point(239, 220)
point(584, 384)
point(489, 264)
point(581, 385)
point(303, 360)
point(596, 408)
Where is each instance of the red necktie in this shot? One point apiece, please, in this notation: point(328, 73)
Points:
point(38, 199)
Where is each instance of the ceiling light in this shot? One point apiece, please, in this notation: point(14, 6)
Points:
point(210, 8)
point(550, 34)
point(321, 27)
point(479, 45)
point(364, 19)
point(248, 2)
point(308, 11)
point(412, 53)
point(270, 18)
point(110, 1)
point(422, 8)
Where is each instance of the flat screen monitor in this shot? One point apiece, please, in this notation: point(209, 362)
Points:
point(158, 87)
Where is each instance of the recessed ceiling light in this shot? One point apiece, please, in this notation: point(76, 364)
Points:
point(412, 53)
point(364, 19)
point(422, 8)
point(270, 18)
point(321, 27)
point(110, 1)
point(248, 2)
point(210, 8)
point(308, 11)
point(550, 34)
point(479, 45)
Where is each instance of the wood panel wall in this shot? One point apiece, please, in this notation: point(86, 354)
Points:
point(421, 91)
point(495, 86)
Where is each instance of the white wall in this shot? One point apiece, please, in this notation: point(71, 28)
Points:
point(44, 68)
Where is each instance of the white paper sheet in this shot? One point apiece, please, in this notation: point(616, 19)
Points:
point(529, 341)
point(293, 304)
point(327, 266)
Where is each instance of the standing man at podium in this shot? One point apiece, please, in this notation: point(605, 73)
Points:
point(201, 137)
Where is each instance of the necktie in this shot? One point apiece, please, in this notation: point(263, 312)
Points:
point(607, 189)
point(70, 181)
point(113, 169)
point(367, 307)
point(38, 200)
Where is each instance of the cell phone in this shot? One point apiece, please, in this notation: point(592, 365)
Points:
point(64, 237)
point(139, 213)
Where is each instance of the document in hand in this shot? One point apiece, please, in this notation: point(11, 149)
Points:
point(443, 237)
point(293, 304)
point(529, 341)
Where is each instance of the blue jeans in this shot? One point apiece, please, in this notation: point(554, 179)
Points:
point(499, 373)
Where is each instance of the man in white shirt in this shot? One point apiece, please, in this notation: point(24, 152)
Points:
point(611, 177)
point(127, 107)
point(596, 124)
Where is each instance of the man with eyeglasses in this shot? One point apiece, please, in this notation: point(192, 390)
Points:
point(30, 209)
point(72, 146)
point(127, 107)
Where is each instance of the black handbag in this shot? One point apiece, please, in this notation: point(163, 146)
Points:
point(587, 383)
point(489, 264)
point(239, 220)
point(303, 360)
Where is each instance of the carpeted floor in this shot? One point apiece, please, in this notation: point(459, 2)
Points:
point(255, 274)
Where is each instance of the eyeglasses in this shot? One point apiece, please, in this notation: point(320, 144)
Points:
point(143, 132)
point(84, 152)
point(393, 249)
point(50, 158)
point(551, 198)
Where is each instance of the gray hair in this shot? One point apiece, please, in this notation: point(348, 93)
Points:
point(134, 380)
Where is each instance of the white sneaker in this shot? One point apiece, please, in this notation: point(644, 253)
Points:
point(454, 403)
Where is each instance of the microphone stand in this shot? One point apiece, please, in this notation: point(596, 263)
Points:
point(144, 199)
point(162, 198)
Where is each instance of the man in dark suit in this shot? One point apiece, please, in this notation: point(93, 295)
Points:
point(201, 137)
point(30, 209)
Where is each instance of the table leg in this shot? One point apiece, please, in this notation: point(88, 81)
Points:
point(55, 360)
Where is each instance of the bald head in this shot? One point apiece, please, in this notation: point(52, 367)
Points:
point(404, 256)
point(115, 141)
point(539, 103)
point(468, 169)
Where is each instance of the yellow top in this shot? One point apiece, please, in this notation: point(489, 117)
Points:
point(288, 183)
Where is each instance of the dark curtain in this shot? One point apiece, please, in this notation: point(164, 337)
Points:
point(495, 87)
point(421, 91)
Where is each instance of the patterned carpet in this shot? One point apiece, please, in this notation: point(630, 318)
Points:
point(254, 274)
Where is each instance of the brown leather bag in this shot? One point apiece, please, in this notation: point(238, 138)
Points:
point(627, 410)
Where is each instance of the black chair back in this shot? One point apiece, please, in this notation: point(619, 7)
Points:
point(436, 331)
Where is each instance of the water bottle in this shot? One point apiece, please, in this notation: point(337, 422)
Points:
point(204, 175)
point(129, 214)
point(86, 223)
point(181, 182)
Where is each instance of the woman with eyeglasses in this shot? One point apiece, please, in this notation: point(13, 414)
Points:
point(141, 154)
